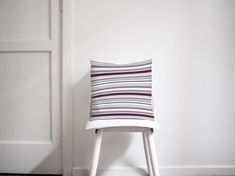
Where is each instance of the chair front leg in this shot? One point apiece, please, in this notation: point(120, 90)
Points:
point(96, 153)
point(153, 154)
point(146, 151)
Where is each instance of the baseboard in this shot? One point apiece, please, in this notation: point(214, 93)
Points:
point(188, 170)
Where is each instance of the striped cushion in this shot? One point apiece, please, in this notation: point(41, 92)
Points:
point(121, 91)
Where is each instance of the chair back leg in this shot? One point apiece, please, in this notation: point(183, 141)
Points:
point(153, 154)
point(149, 148)
point(146, 151)
point(96, 153)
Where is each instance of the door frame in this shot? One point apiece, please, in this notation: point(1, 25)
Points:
point(66, 86)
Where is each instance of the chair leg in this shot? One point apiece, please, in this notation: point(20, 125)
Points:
point(153, 154)
point(146, 151)
point(98, 140)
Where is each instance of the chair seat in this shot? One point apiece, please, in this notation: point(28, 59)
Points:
point(97, 124)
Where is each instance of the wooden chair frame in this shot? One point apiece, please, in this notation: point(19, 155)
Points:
point(146, 127)
point(148, 142)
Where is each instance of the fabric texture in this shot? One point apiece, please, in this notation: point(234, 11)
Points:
point(121, 91)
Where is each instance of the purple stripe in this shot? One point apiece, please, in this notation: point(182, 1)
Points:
point(120, 73)
point(120, 91)
point(118, 102)
point(118, 70)
point(126, 108)
point(122, 114)
point(111, 94)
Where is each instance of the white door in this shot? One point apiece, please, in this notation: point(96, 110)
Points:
point(30, 87)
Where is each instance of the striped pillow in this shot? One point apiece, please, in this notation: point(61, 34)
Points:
point(121, 91)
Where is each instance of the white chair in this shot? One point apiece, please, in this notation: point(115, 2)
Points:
point(126, 124)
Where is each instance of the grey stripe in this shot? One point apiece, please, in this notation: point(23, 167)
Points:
point(106, 64)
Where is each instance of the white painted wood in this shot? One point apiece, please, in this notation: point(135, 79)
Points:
point(23, 112)
point(125, 129)
point(26, 45)
point(30, 117)
point(146, 151)
point(96, 153)
point(96, 124)
point(153, 154)
point(148, 142)
point(24, 20)
point(67, 153)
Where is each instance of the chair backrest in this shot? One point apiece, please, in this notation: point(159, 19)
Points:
point(121, 91)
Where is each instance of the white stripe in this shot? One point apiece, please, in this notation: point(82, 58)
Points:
point(122, 96)
point(112, 84)
point(136, 83)
point(122, 105)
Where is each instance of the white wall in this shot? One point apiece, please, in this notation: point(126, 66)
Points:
point(192, 44)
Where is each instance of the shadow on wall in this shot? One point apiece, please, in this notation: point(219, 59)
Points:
point(114, 145)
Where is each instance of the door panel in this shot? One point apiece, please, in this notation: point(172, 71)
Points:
point(30, 87)
point(25, 96)
point(27, 19)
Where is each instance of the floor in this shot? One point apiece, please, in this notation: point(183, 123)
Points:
point(12, 174)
